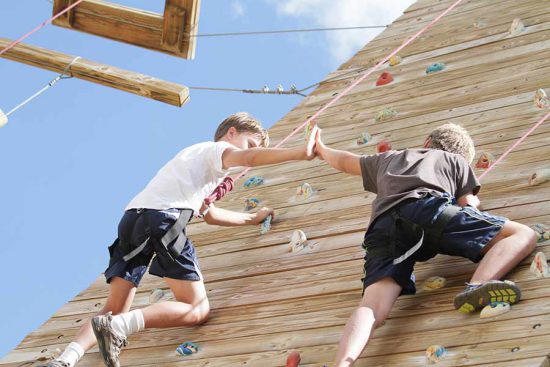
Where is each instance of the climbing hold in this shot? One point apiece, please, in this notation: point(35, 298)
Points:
point(480, 23)
point(156, 295)
point(364, 138)
point(435, 67)
point(251, 203)
point(395, 60)
point(253, 182)
point(434, 283)
point(297, 240)
point(543, 231)
point(187, 348)
point(383, 146)
point(517, 27)
point(541, 99)
point(293, 359)
point(385, 78)
point(485, 160)
point(266, 225)
point(435, 353)
point(539, 177)
point(3, 119)
point(385, 114)
point(494, 309)
point(539, 266)
point(304, 192)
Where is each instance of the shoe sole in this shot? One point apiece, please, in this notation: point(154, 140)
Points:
point(486, 294)
point(96, 327)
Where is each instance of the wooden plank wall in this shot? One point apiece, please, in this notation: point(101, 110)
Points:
point(267, 301)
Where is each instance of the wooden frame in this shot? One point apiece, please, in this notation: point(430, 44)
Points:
point(94, 72)
point(170, 32)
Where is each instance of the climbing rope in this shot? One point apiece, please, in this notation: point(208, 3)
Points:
point(300, 30)
point(513, 146)
point(61, 76)
point(354, 84)
point(39, 27)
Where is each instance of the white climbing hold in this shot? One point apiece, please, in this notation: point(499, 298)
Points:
point(266, 225)
point(156, 295)
point(539, 177)
point(539, 266)
point(517, 27)
point(435, 282)
point(435, 353)
point(3, 119)
point(298, 240)
point(541, 99)
point(304, 192)
point(494, 309)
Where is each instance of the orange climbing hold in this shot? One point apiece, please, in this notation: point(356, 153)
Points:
point(385, 78)
point(485, 160)
point(293, 359)
point(383, 146)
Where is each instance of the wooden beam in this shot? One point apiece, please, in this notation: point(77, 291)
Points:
point(128, 81)
point(169, 33)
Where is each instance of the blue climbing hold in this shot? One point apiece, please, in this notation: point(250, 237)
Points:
point(187, 348)
point(438, 66)
point(266, 225)
point(253, 182)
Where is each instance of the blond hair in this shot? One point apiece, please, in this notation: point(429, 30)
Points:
point(453, 138)
point(242, 122)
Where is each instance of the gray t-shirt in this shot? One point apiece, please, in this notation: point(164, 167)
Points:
point(411, 173)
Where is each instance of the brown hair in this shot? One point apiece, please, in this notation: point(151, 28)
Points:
point(243, 122)
point(453, 138)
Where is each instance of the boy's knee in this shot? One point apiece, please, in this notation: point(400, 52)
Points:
point(200, 314)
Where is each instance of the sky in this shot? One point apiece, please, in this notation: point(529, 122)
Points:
point(73, 158)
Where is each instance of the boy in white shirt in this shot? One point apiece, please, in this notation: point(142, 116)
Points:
point(152, 231)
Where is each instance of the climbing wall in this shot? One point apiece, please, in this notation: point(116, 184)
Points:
point(267, 300)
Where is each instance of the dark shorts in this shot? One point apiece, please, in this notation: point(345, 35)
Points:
point(134, 228)
point(465, 235)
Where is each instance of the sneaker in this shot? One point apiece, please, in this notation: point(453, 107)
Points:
point(55, 363)
point(478, 296)
point(109, 342)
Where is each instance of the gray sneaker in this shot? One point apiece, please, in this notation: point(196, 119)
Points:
point(109, 342)
point(478, 296)
point(55, 363)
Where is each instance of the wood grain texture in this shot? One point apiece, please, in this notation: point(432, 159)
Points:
point(268, 301)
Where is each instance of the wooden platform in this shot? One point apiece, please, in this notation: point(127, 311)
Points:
point(267, 301)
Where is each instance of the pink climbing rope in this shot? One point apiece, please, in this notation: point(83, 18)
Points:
point(39, 27)
point(514, 146)
point(367, 74)
point(220, 191)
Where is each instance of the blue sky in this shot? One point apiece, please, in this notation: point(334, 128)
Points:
point(72, 159)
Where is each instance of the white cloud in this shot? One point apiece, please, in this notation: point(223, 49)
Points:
point(343, 13)
point(238, 9)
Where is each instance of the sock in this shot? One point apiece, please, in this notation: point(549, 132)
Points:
point(128, 323)
point(72, 354)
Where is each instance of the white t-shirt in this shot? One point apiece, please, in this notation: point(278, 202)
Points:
point(186, 180)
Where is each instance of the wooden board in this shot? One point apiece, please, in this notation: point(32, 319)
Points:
point(268, 301)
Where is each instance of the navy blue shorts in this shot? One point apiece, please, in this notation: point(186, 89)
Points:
point(465, 235)
point(134, 228)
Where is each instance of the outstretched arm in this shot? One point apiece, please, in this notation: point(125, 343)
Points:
point(339, 159)
point(253, 157)
point(229, 218)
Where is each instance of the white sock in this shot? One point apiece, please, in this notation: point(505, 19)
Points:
point(128, 323)
point(72, 354)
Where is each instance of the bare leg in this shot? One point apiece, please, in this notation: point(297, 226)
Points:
point(191, 308)
point(121, 295)
point(371, 313)
point(513, 243)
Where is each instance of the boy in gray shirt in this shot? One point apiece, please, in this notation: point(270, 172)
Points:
point(426, 204)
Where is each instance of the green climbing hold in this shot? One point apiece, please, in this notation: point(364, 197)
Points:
point(435, 67)
point(385, 114)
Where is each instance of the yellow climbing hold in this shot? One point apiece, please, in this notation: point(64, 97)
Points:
point(395, 60)
point(385, 114)
point(434, 283)
point(3, 119)
point(435, 353)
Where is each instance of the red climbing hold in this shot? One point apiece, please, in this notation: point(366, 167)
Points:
point(293, 359)
point(384, 79)
point(383, 146)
